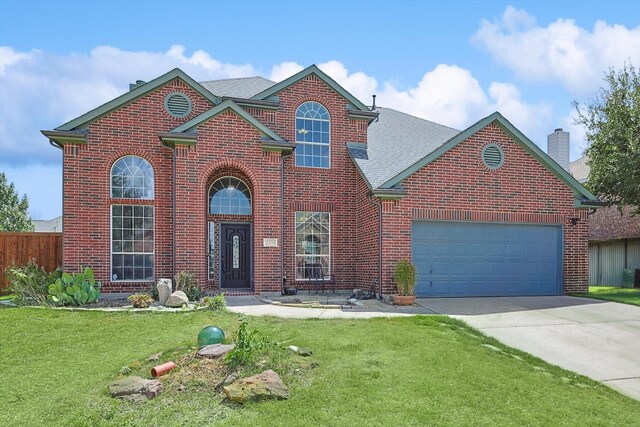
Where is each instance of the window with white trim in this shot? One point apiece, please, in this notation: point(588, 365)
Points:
point(132, 178)
point(313, 244)
point(312, 135)
point(132, 225)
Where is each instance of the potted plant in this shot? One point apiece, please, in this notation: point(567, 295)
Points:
point(405, 280)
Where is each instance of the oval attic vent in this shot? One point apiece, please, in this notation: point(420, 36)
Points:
point(492, 156)
point(177, 104)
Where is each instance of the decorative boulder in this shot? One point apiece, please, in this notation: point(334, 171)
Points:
point(266, 385)
point(177, 299)
point(214, 351)
point(135, 389)
point(164, 290)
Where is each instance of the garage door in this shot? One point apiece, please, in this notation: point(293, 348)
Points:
point(456, 259)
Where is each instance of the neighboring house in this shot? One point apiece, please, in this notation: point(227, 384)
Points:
point(48, 226)
point(614, 238)
point(252, 184)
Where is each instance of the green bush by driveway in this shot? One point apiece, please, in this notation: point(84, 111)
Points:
point(55, 366)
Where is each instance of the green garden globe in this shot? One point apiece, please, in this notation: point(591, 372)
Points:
point(210, 335)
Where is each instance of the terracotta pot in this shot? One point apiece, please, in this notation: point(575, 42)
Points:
point(158, 371)
point(404, 299)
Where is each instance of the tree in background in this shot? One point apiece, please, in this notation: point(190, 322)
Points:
point(14, 215)
point(612, 125)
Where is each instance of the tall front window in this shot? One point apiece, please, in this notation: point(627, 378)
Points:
point(313, 244)
point(312, 135)
point(132, 223)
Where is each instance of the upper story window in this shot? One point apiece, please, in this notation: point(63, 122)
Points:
point(312, 135)
point(132, 178)
point(229, 195)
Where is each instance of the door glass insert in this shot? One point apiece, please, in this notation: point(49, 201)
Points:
point(212, 248)
point(236, 251)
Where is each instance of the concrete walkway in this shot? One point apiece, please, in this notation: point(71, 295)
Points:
point(253, 306)
point(594, 338)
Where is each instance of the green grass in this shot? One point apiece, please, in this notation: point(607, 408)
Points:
point(6, 297)
point(55, 366)
point(613, 293)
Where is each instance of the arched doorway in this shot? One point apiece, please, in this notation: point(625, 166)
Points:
point(230, 214)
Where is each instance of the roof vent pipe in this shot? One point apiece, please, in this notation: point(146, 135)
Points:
point(373, 107)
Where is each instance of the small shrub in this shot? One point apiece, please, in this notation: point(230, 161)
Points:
point(215, 303)
point(153, 291)
point(75, 289)
point(248, 344)
point(140, 300)
point(405, 277)
point(30, 283)
point(187, 283)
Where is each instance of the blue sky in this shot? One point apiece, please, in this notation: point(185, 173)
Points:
point(451, 62)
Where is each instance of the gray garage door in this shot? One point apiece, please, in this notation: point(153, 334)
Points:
point(457, 259)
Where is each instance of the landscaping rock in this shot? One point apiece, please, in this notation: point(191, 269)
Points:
point(214, 351)
point(177, 299)
point(154, 357)
point(164, 290)
point(305, 352)
point(266, 385)
point(135, 389)
point(301, 351)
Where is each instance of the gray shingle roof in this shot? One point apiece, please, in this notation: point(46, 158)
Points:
point(395, 142)
point(244, 87)
point(579, 169)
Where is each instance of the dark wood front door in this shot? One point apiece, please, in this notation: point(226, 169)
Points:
point(235, 256)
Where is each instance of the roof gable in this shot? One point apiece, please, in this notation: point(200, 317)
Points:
point(132, 95)
point(313, 69)
point(227, 105)
point(517, 136)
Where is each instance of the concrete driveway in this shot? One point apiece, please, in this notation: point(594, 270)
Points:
point(598, 339)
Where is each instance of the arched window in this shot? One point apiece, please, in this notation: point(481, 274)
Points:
point(312, 135)
point(132, 178)
point(132, 223)
point(229, 195)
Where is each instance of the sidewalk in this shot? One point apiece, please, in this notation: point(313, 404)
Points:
point(253, 306)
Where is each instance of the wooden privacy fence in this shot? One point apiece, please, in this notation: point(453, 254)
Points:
point(20, 248)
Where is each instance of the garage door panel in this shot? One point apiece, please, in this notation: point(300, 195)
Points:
point(486, 259)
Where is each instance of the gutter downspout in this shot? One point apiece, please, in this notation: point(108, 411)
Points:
point(378, 204)
point(173, 213)
point(282, 272)
point(56, 145)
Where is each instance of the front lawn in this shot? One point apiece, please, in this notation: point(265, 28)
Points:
point(613, 293)
point(55, 366)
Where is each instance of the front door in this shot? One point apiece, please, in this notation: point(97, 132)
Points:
point(235, 256)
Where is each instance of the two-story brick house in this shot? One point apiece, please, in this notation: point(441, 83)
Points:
point(251, 184)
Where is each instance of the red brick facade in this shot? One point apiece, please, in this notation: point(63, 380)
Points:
point(455, 186)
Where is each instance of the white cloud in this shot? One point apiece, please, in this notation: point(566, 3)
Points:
point(284, 70)
point(561, 51)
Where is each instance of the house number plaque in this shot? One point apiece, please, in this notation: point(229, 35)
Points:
point(270, 243)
